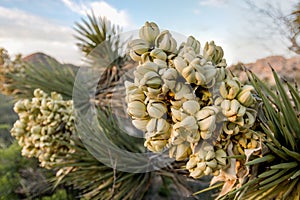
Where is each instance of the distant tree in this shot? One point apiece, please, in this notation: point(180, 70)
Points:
point(286, 24)
point(296, 30)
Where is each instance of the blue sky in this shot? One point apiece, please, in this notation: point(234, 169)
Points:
point(28, 26)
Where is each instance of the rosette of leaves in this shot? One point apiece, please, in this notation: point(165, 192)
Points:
point(100, 42)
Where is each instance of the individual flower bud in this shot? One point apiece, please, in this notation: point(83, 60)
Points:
point(201, 166)
point(183, 91)
point(162, 65)
point(180, 151)
point(19, 107)
point(170, 78)
point(36, 130)
point(196, 173)
point(222, 63)
point(252, 144)
point(141, 70)
point(209, 50)
point(221, 157)
point(17, 132)
point(249, 117)
point(152, 93)
point(188, 54)
point(188, 123)
point(133, 93)
point(193, 137)
point(158, 54)
point(207, 121)
point(149, 32)
point(156, 109)
point(219, 53)
point(55, 96)
point(177, 115)
point(213, 53)
point(209, 73)
point(155, 145)
point(189, 74)
point(230, 128)
point(139, 46)
point(232, 109)
point(195, 44)
point(205, 135)
point(137, 109)
point(145, 57)
point(134, 56)
point(19, 124)
point(192, 162)
point(157, 126)
point(229, 89)
point(208, 171)
point(206, 147)
point(140, 124)
point(176, 137)
point(243, 142)
point(152, 80)
point(245, 96)
point(212, 164)
point(179, 64)
point(221, 73)
point(166, 42)
point(191, 107)
point(39, 93)
point(210, 155)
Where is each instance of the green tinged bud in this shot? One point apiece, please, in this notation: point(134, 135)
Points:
point(149, 32)
point(166, 42)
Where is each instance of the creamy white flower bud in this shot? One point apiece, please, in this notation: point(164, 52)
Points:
point(158, 54)
point(245, 96)
point(156, 109)
point(149, 32)
point(229, 88)
point(180, 63)
point(140, 123)
point(191, 107)
point(195, 44)
point(166, 42)
point(155, 145)
point(170, 78)
point(137, 109)
point(152, 80)
point(180, 152)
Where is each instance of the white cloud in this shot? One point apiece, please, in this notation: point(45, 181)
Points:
point(25, 33)
point(101, 8)
point(213, 2)
point(196, 11)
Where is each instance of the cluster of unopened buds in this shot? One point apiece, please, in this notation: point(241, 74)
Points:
point(185, 100)
point(8, 67)
point(45, 127)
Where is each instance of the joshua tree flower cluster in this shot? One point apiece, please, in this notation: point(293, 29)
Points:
point(7, 68)
point(45, 127)
point(187, 102)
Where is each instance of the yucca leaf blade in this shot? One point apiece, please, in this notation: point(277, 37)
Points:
point(289, 113)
